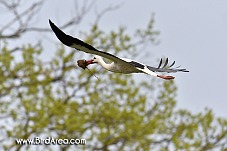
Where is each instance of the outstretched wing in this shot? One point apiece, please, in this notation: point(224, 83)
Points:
point(82, 46)
point(164, 67)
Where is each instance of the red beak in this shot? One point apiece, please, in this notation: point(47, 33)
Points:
point(90, 62)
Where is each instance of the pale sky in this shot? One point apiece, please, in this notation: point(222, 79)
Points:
point(193, 33)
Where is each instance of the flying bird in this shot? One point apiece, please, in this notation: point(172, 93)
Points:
point(119, 65)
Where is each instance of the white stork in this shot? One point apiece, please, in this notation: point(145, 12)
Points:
point(119, 65)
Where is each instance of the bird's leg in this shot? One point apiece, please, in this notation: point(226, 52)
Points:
point(165, 77)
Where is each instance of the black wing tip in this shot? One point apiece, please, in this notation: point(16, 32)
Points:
point(136, 64)
point(160, 63)
point(52, 25)
point(172, 64)
point(164, 67)
point(182, 70)
point(65, 39)
point(55, 29)
point(166, 63)
point(185, 70)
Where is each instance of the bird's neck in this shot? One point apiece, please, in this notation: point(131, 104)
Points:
point(105, 65)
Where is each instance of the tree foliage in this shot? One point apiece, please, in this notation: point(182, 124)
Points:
point(57, 99)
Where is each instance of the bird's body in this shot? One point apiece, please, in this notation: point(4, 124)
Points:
point(119, 65)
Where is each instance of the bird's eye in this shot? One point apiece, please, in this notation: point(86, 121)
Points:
point(94, 58)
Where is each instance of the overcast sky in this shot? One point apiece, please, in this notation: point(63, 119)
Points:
point(193, 33)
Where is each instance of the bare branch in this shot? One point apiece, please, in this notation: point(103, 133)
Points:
point(110, 8)
point(22, 19)
point(35, 46)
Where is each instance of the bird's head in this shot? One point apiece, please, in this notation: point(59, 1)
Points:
point(96, 59)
